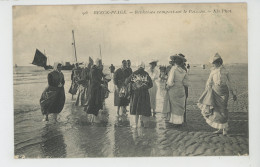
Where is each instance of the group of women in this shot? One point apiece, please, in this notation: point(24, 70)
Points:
point(91, 84)
point(139, 88)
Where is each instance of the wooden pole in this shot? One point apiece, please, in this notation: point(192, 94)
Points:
point(100, 51)
point(74, 44)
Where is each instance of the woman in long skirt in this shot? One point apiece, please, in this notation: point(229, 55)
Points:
point(75, 77)
point(94, 101)
point(83, 85)
point(154, 74)
point(140, 98)
point(120, 99)
point(174, 101)
point(214, 100)
point(53, 97)
point(128, 72)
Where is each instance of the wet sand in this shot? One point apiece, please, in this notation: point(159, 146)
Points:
point(74, 137)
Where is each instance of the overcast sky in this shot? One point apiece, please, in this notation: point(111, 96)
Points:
point(138, 37)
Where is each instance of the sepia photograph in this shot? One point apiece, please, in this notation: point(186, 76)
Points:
point(130, 80)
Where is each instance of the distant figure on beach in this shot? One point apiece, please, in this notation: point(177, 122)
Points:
point(140, 99)
point(53, 97)
point(112, 70)
point(94, 101)
point(120, 95)
point(174, 100)
point(75, 76)
point(214, 100)
point(188, 67)
point(83, 83)
point(154, 74)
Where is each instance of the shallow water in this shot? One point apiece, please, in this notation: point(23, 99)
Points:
point(74, 136)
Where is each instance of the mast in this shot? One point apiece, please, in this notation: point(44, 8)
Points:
point(100, 52)
point(74, 44)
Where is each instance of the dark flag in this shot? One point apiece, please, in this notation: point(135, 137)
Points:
point(39, 59)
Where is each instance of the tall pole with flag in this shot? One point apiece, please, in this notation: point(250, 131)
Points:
point(74, 44)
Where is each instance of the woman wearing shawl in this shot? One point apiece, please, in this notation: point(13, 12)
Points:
point(174, 101)
point(83, 84)
point(53, 97)
point(154, 74)
point(75, 77)
point(94, 101)
point(214, 100)
point(140, 98)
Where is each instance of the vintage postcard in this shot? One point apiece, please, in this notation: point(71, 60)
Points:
point(135, 80)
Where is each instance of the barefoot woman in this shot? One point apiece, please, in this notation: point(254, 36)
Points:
point(53, 97)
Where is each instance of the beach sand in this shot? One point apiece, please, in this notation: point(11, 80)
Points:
point(74, 137)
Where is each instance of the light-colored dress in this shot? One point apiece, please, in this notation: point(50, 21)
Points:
point(174, 100)
point(214, 100)
point(153, 91)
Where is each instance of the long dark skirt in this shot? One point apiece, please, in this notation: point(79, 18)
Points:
point(52, 100)
point(120, 101)
point(140, 103)
point(73, 88)
point(82, 96)
point(94, 100)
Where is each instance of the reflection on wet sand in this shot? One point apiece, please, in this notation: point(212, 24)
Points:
point(145, 141)
point(124, 143)
point(53, 145)
point(134, 142)
point(85, 138)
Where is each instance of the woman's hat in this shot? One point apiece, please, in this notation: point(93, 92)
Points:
point(141, 64)
point(91, 61)
point(153, 61)
point(182, 56)
point(214, 58)
point(98, 61)
point(174, 57)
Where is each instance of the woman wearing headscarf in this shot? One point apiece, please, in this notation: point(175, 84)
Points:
point(140, 99)
point(83, 84)
point(214, 100)
point(174, 101)
point(154, 74)
point(94, 101)
point(53, 97)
